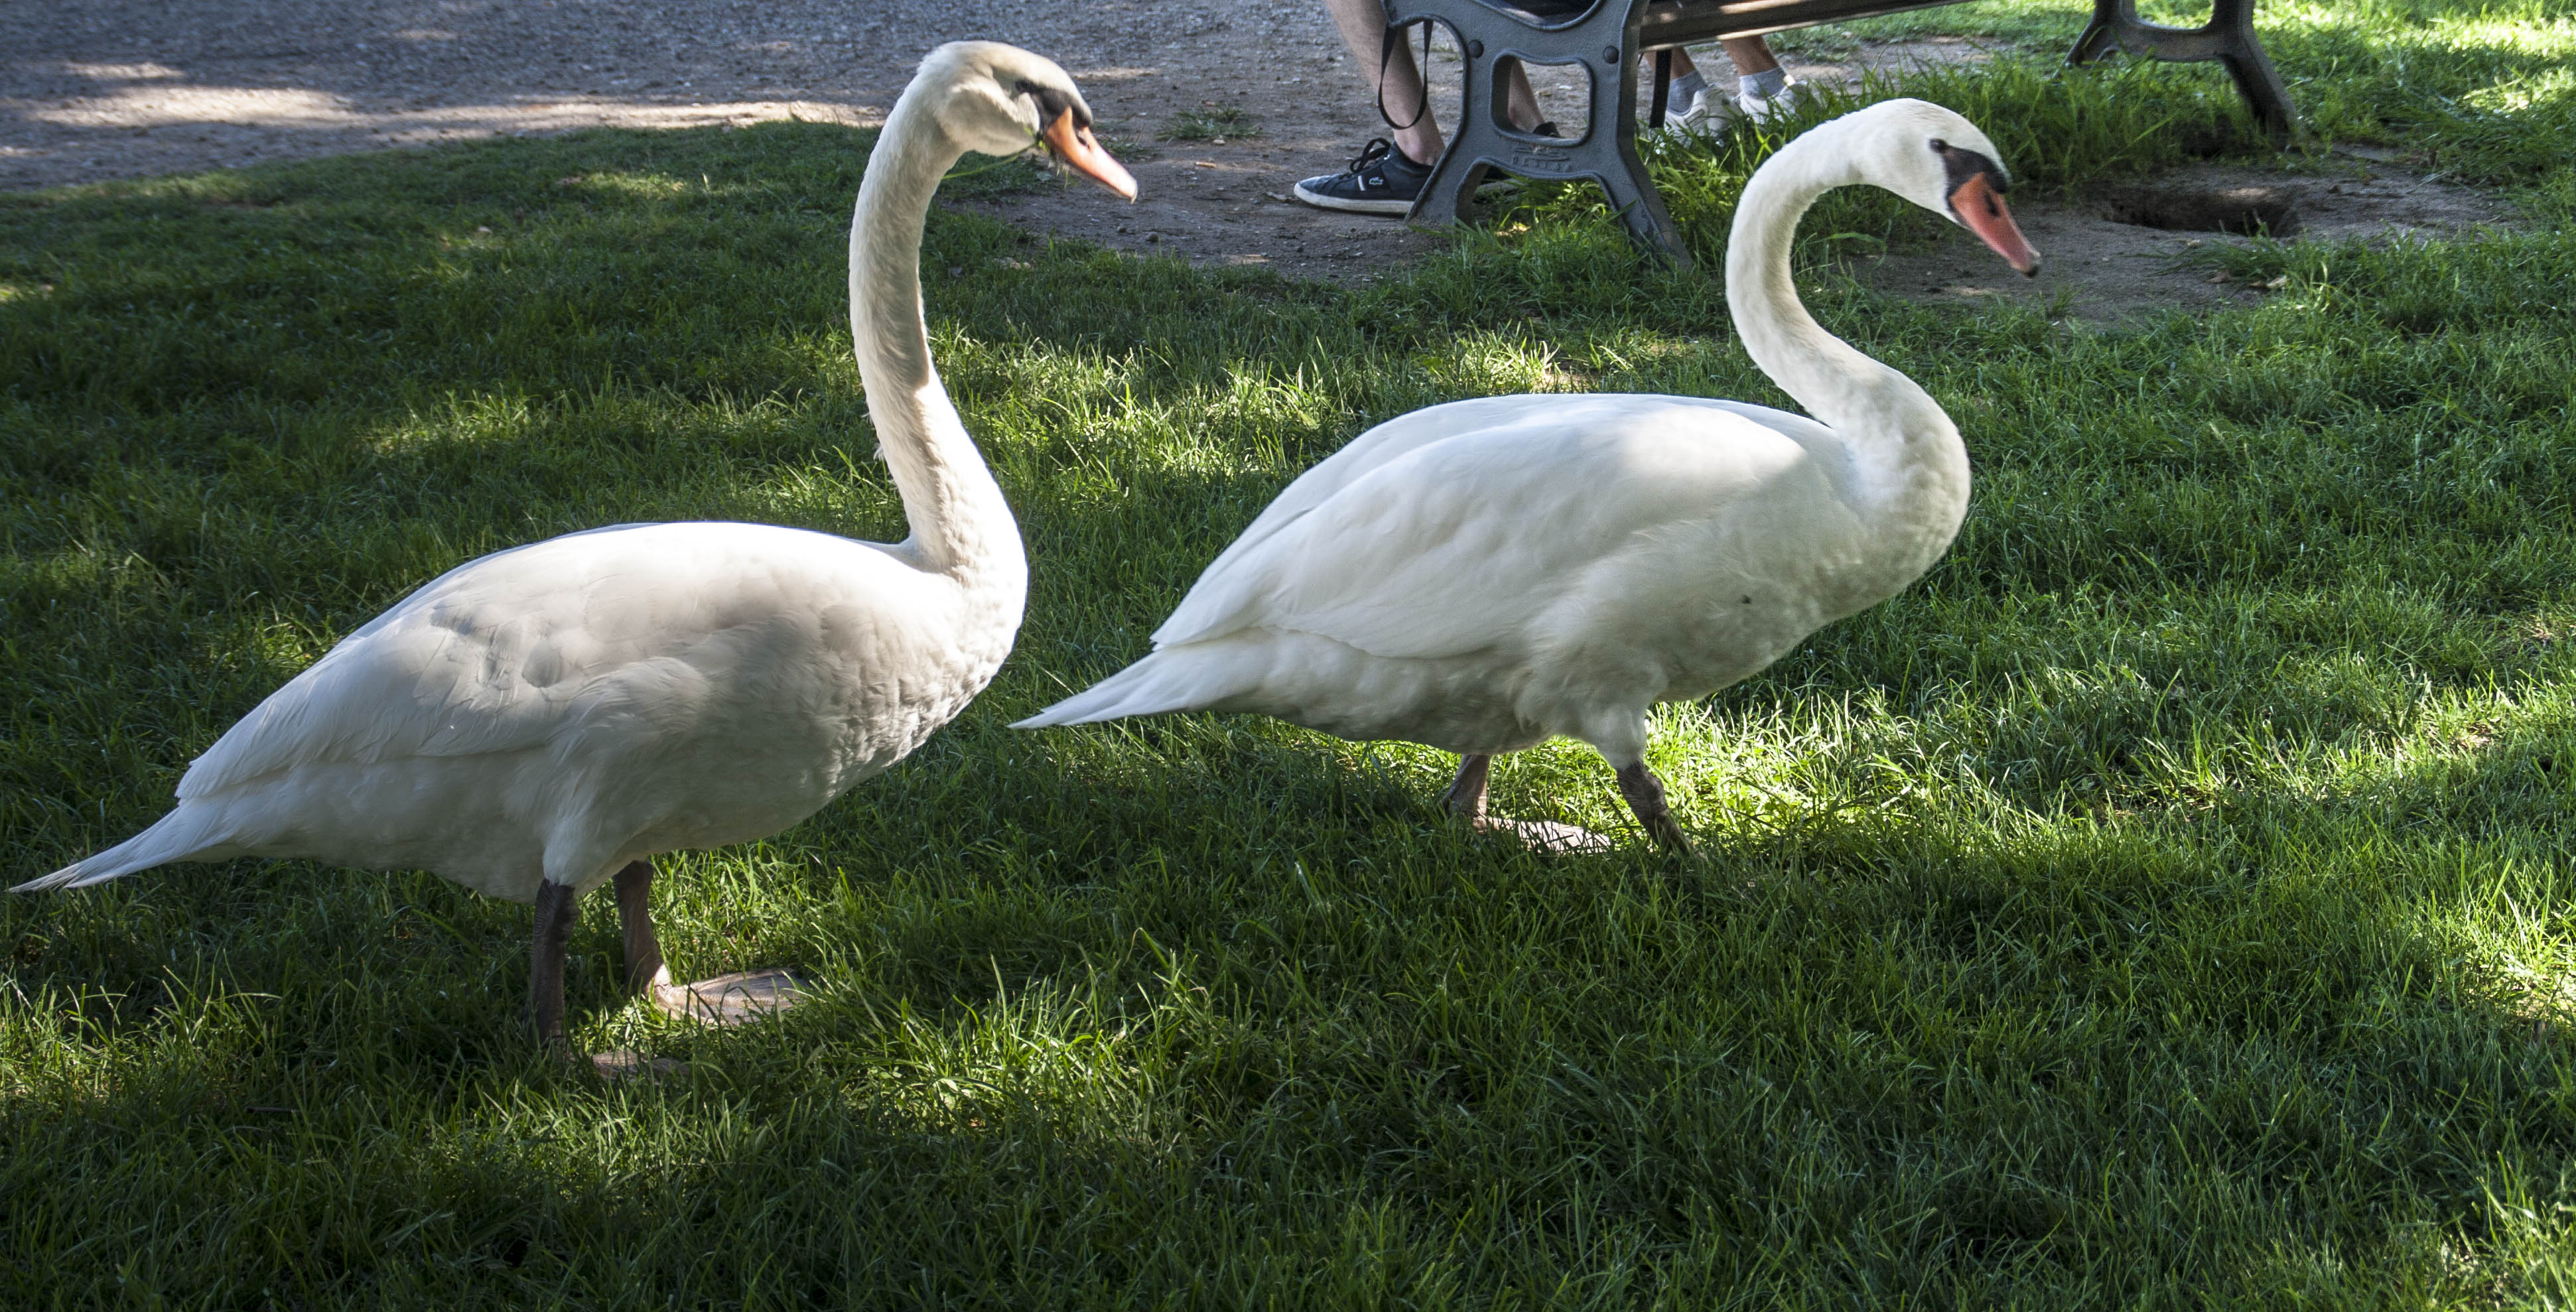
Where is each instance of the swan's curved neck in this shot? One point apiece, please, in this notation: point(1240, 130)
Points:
point(960, 523)
point(1851, 393)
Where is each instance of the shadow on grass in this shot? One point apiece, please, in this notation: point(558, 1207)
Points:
point(2131, 1061)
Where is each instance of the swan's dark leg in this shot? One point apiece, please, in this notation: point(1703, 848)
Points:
point(1466, 800)
point(1645, 794)
point(558, 910)
point(644, 968)
point(1466, 797)
point(645, 972)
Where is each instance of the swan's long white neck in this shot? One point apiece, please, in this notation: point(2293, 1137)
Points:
point(1908, 465)
point(960, 524)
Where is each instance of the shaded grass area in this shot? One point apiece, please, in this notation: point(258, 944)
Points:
point(2484, 90)
point(2482, 94)
point(2164, 903)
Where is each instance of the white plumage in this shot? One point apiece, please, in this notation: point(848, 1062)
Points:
point(555, 711)
point(1483, 575)
point(540, 720)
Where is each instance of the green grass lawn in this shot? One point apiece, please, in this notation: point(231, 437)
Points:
point(2164, 903)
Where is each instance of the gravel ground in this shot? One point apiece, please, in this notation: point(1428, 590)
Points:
point(120, 88)
point(101, 89)
point(98, 89)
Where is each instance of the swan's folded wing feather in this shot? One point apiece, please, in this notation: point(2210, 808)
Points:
point(1452, 546)
point(497, 654)
point(1358, 458)
point(1797, 427)
point(409, 689)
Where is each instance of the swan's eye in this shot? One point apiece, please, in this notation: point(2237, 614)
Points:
point(1051, 103)
point(1962, 164)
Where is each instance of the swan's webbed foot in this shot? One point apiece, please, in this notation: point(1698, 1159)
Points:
point(724, 1000)
point(731, 999)
point(1549, 836)
point(1466, 801)
point(1645, 794)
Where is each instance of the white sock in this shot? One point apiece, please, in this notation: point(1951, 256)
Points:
point(1677, 97)
point(1763, 86)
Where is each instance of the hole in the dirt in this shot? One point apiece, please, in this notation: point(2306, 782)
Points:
point(2207, 141)
point(2247, 210)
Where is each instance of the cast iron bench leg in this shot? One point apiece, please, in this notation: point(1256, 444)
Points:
point(1606, 154)
point(1604, 38)
point(2228, 37)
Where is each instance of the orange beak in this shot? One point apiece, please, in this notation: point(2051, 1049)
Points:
point(1980, 207)
point(1076, 148)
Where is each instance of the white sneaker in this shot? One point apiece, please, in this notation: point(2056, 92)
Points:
point(1708, 111)
point(1760, 109)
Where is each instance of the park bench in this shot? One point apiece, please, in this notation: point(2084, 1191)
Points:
point(1615, 32)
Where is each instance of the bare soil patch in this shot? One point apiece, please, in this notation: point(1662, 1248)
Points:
point(123, 88)
point(2125, 251)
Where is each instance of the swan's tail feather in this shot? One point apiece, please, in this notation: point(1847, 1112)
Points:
point(184, 833)
point(1157, 685)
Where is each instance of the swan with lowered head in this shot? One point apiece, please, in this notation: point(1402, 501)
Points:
point(548, 718)
point(1483, 575)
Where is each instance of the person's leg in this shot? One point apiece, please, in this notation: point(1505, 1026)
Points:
point(1520, 104)
point(1749, 54)
point(1363, 24)
point(1686, 100)
point(1383, 179)
point(1762, 86)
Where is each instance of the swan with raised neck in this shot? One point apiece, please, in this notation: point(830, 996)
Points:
point(1908, 470)
point(1482, 575)
point(548, 718)
point(969, 95)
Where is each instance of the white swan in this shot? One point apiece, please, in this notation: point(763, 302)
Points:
point(546, 718)
point(1483, 575)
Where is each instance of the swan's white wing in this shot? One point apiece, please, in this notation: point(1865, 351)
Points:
point(1410, 431)
point(503, 652)
point(1452, 544)
point(1362, 454)
point(1798, 428)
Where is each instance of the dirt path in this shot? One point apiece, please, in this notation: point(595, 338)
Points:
point(121, 88)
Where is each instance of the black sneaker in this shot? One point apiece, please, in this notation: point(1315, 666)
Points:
point(1380, 181)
